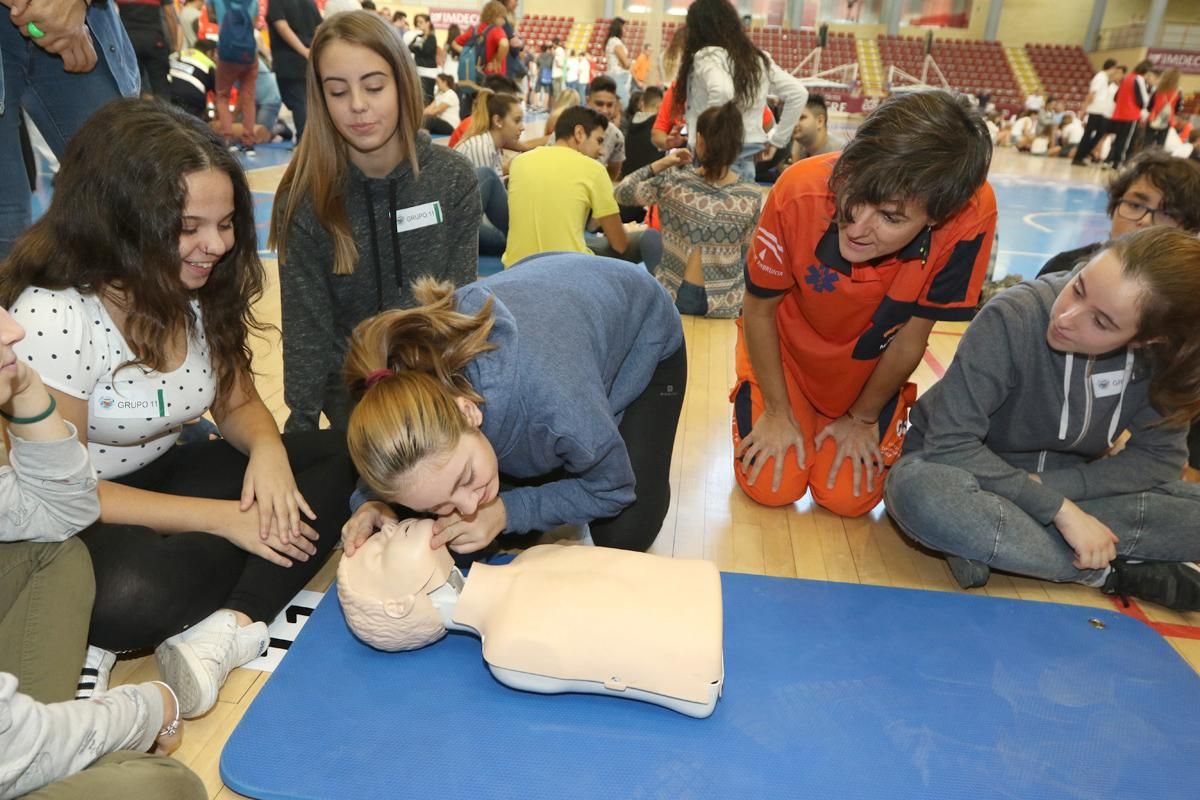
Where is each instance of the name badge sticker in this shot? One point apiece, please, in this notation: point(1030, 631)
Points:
point(127, 401)
point(1107, 384)
point(422, 216)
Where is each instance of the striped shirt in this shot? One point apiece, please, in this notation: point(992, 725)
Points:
point(481, 151)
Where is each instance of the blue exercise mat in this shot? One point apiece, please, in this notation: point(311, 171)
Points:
point(832, 691)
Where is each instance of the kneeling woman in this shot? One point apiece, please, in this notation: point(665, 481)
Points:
point(545, 395)
point(1007, 464)
point(136, 290)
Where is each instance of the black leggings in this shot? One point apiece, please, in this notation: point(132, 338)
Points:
point(648, 428)
point(437, 126)
point(150, 586)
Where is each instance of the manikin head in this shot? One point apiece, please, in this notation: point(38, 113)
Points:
point(385, 587)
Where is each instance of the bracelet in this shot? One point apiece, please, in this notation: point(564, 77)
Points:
point(853, 418)
point(30, 420)
point(173, 727)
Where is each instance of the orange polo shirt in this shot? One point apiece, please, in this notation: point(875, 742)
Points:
point(837, 318)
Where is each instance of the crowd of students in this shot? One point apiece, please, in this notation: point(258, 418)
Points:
point(1123, 113)
point(550, 393)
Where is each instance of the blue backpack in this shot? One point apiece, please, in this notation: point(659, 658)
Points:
point(474, 55)
point(235, 38)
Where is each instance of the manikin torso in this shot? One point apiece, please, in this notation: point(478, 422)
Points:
point(559, 618)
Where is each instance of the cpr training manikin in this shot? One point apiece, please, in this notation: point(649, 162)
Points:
point(555, 619)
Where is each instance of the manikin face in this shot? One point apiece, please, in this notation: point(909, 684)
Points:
point(590, 145)
point(1097, 311)
point(808, 127)
point(605, 103)
point(1142, 197)
point(206, 230)
point(11, 332)
point(880, 230)
point(461, 480)
point(511, 126)
point(398, 561)
point(361, 96)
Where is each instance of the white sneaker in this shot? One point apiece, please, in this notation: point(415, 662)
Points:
point(196, 663)
point(97, 667)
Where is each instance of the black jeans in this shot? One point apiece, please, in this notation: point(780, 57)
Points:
point(1093, 132)
point(150, 586)
point(153, 58)
point(291, 91)
point(438, 126)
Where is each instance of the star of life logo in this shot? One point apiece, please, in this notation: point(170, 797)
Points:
point(768, 252)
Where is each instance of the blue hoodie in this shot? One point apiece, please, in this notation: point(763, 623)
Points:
point(579, 338)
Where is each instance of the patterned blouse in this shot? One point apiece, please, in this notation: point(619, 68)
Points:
point(719, 220)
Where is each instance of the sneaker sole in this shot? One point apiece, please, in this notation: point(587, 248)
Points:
point(178, 666)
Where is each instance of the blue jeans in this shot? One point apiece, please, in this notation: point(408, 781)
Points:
point(493, 233)
point(943, 508)
point(57, 101)
point(266, 95)
point(644, 247)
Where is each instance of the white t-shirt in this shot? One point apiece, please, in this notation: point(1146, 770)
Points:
point(338, 6)
point(1098, 89)
point(614, 68)
point(1073, 132)
point(134, 416)
point(450, 112)
point(560, 60)
point(450, 64)
point(572, 72)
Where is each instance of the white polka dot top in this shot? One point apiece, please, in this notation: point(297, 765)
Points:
point(134, 416)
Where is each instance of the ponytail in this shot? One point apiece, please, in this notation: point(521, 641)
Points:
point(406, 368)
point(488, 104)
point(722, 131)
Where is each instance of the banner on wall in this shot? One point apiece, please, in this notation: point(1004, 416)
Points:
point(443, 18)
point(1186, 61)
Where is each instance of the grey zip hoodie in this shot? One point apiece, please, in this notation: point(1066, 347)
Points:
point(320, 309)
point(1010, 405)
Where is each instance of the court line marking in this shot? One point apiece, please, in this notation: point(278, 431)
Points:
point(1028, 219)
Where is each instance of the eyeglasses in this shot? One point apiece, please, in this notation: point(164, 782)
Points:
point(1136, 212)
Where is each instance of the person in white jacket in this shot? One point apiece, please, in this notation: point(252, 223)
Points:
point(720, 65)
point(65, 748)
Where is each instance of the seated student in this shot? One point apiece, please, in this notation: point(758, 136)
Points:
point(602, 97)
point(811, 136)
point(1152, 189)
point(137, 287)
point(708, 215)
point(553, 190)
point(500, 412)
point(441, 115)
point(499, 84)
point(367, 205)
point(1070, 133)
point(497, 124)
point(1007, 463)
point(855, 258)
point(47, 494)
point(193, 77)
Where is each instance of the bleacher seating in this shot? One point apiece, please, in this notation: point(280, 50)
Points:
point(634, 36)
point(1064, 70)
point(977, 67)
point(537, 30)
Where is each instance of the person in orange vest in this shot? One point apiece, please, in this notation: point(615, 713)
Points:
point(1132, 104)
point(1165, 103)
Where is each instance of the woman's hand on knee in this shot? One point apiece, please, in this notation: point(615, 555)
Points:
point(270, 484)
point(773, 435)
point(858, 443)
point(242, 529)
point(1095, 545)
point(362, 525)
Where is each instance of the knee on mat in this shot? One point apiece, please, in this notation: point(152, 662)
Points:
point(840, 499)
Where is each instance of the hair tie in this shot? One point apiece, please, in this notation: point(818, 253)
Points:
point(376, 376)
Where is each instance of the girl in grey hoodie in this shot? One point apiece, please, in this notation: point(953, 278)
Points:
point(1013, 460)
point(367, 206)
